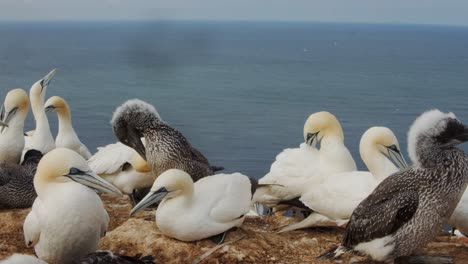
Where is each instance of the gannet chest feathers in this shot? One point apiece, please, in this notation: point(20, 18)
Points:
point(419, 198)
point(66, 136)
point(42, 139)
point(324, 128)
point(190, 212)
point(166, 147)
point(68, 218)
point(14, 112)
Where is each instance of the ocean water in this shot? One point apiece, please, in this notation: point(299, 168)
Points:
point(241, 91)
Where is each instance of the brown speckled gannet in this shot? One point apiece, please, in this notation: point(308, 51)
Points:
point(407, 210)
point(166, 147)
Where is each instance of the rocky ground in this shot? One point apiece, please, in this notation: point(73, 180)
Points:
point(259, 243)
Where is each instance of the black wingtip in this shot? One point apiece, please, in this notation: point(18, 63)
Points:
point(329, 254)
point(217, 168)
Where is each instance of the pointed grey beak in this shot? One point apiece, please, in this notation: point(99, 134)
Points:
point(8, 117)
point(463, 137)
point(395, 156)
point(50, 108)
point(46, 80)
point(3, 125)
point(95, 182)
point(310, 139)
point(150, 198)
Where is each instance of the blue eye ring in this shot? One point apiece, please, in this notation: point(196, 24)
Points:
point(74, 171)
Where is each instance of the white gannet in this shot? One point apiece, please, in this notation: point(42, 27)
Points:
point(408, 208)
point(66, 136)
point(293, 167)
point(459, 218)
point(123, 167)
point(67, 218)
point(41, 139)
point(16, 181)
point(166, 147)
point(22, 259)
point(14, 112)
point(190, 212)
point(339, 194)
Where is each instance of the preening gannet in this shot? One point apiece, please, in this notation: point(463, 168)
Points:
point(123, 167)
point(67, 218)
point(339, 194)
point(408, 208)
point(166, 147)
point(16, 181)
point(193, 211)
point(66, 136)
point(14, 112)
point(293, 167)
point(42, 139)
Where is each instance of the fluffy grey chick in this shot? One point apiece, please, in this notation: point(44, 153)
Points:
point(166, 147)
point(409, 208)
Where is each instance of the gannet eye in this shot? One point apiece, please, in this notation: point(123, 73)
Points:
point(394, 148)
point(75, 171)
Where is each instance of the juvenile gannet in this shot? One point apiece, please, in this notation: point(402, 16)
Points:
point(14, 112)
point(293, 167)
point(123, 167)
point(66, 136)
point(166, 147)
point(67, 218)
point(42, 139)
point(193, 211)
point(16, 181)
point(407, 209)
point(339, 194)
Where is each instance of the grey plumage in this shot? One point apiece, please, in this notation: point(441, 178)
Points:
point(166, 148)
point(407, 209)
point(16, 182)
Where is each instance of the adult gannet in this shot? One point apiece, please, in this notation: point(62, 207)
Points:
point(408, 208)
point(16, 181)
point(14, 112)
point(66, 136)
point(339, 194)
point(459, 218)
point(293, 167)
point(67, 218)
point(41, 139)
point(123, 167)
point(193, 211)
point(166, 147)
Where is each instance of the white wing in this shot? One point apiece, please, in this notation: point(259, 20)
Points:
point(228, 194)
point(32, 224)
point(109, 159)
point(339, 194)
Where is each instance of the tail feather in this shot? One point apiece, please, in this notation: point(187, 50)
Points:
point(332, 253)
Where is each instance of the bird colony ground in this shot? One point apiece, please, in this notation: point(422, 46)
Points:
point(258, 244)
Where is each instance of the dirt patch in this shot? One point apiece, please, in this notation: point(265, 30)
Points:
point(259, 245)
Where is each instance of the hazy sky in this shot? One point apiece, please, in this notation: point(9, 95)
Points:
point(399, 11)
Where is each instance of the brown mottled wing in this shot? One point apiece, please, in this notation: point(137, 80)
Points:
point(198, 156)
point(384, 211)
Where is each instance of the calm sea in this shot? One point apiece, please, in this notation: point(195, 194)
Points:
point(239, 91)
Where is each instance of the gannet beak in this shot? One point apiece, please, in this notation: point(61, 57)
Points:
point(8, 117)
point(46, 80)
point(150, 198)
point(310, 139)
point(95, 182)
point(50, 108)
point(395, 156)
point(3, 125)
point(463, 137)
point(137, 145)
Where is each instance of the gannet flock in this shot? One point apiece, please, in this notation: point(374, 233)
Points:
point(389, 212)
